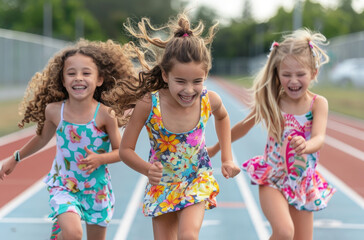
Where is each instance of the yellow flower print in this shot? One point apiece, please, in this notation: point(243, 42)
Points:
point(157, 117)
point(206, 108)
point(168, 143)
point(170, 202)
point(156, 191)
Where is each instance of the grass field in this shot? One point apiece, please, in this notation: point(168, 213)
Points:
point(9, 116)
point(345, 100)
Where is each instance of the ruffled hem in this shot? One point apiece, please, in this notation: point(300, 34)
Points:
point(311, 193)
point(173, 197)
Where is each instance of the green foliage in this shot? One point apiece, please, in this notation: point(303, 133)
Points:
point(242, 37)
point(27, 16)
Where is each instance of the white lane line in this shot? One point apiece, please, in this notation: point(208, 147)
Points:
point(342, 128)
point(21, 198)
point(344, 147)
point(26, 132)
point(131, 210)
point(251, 206)
point(337, 183)
point(50, 144)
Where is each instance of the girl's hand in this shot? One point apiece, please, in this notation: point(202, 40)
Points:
point(155, 173)
point(211, 151)
point(7, 166)
point(229, 169)
point(92, 161)
point(298, 143)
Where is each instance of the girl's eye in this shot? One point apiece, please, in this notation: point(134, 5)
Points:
point(86, 73)
point(71, 74)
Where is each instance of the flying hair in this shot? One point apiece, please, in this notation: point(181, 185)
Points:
point(304, 46)
point(46, 86)
point(182, 43)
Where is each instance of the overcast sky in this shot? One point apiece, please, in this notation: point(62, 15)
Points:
point(262, 10)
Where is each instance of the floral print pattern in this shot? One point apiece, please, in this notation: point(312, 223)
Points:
point(295, 176)
point(187, 173)
point(92, 192)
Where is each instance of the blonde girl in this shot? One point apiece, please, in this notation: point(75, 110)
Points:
point(174, 107)
point(66, 99)
point(290, 188)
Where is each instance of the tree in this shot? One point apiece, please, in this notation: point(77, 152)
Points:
point(27, 16)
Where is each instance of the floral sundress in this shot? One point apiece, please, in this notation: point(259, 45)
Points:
point(91, 194)
point(295, 176)
point(187, 173)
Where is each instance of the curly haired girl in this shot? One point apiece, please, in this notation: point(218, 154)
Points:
point(67, 98)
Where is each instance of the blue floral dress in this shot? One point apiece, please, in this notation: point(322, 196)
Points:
point(187, 173)
point(71, 188)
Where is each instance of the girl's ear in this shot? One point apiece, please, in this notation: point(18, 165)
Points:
point(100, 81)
point(314, 74)
point(164, 76)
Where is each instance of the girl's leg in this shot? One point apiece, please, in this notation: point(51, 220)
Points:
point(95, 232)
point(303, 224)
point(276, 210)
point(70, 224)
point(190, 221)
point(165, 226)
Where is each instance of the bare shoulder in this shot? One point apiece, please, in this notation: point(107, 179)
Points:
point(145, 103)
point(215, 100)
point(320, 105)
point(53, 112)
point(320, 102)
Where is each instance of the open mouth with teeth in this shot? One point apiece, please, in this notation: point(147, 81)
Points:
point(78, 87)
point(294, 89)
point(187, 99)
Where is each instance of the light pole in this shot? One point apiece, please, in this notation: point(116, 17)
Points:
point(297, 15)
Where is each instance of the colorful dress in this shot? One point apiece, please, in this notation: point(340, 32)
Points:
point(72, 189)
point(187, 173)
point(295, 176)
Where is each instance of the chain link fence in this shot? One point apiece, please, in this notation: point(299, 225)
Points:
point(23, 54)
point(339, 49)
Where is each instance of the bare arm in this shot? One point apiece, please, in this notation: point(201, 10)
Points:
point(238, 131)
point(128, 142)
point(35, 143)
point(318, 131)
point(222, 125)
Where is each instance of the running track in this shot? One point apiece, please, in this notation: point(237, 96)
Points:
point(24, 199)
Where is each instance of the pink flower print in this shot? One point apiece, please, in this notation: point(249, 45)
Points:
point(101, 196)
point(194, 138)
point(71, 183)
point(76, 141)
point(73, 136)
point(289, 192)
point(95, 131)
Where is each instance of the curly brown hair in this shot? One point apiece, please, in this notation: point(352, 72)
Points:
point(184, 44)
point(113, 64)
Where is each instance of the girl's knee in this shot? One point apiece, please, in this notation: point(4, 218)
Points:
point(283, 233)
point(188, 235)
point(71, 234)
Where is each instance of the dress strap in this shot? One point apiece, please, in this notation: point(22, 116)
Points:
point(313, 99)
point(62, 108)
point(97, 109)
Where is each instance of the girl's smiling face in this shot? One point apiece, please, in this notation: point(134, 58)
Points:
point(294, 77)
point(185, 82)
point(80, 76)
